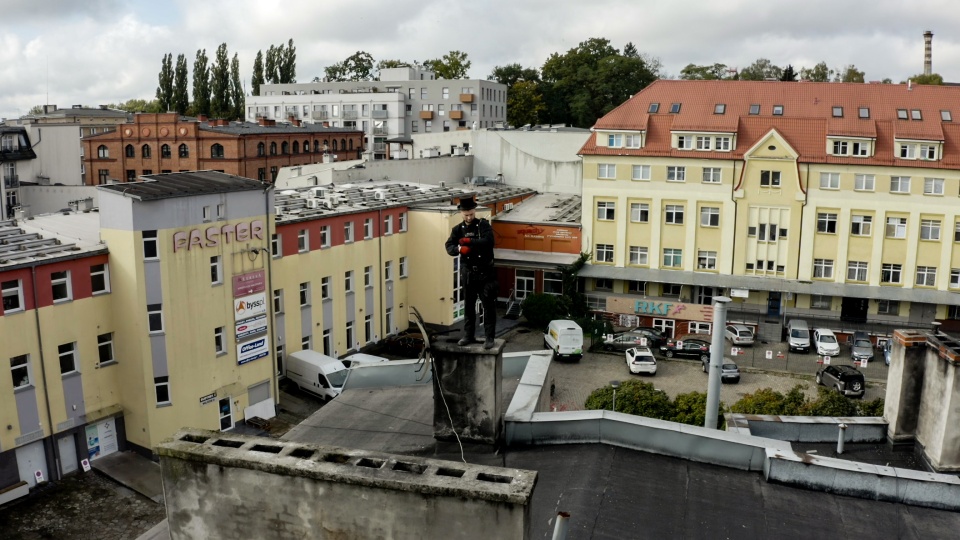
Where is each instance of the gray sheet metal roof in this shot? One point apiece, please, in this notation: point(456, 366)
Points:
point(250, 128)
point(165, 186)
point(50, 237)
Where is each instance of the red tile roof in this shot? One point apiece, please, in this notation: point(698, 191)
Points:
point(806, 122)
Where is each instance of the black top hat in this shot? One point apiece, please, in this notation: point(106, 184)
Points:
point(467, 204)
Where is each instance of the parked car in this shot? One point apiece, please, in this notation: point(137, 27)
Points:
point(825, 342)
point(641, 360)
point(887, 348)
point(628, 340)
point(861, 348)
point(798, 336)
point(655, 336)
point(729, 371)
point(846, 379)
point(691, 348)
point(739, 334)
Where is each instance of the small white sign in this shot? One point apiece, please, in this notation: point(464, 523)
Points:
point(85, 463)
point(734, 351)
point(39, 476)
point(643, 342)
point(863, 363)
point(769, 355)
point(826, 360)
point(679, 344)
point(739, 293)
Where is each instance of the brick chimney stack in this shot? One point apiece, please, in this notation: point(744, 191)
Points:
point(927, 52)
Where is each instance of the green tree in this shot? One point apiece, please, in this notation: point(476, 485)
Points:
point(270, 68)
point(165, 88)
point(761, 70)
point(137, 106)
point(511, 74)
point(453, 65)
point(35, 110)
point(691, 408)
point(359, 66)
point(573, 303)
point(763, 401)
point(933, 78)
point(633, 397)
point(540, 309)
point(818, 73)
point(201, 84)
point(257, 80)
point(524, 103)
point(703, 73)
point(871, 408)
point(850, 74)
point(287, 63)
point(220, 102)
point(588, 81)
point(181, 98)
point(334, 73)
point(788, 75)
point(236, 90)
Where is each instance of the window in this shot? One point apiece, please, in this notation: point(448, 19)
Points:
point(155, 318)
point(676, 174)
point(863, 112)
point(721, 143)
point(402, 221)
point(183, 150)
point(305, 294)
point(61, 286)
point(641, 172)
point(103, 176)
point(68, 357)
point(837, 112)
point(860, 149)
point(672, 258)
point(670, 289)
point(150, 248)
point(219, 345)
point(103, 152)
point(861, 225)
point(703, 143)
point(606, 210)
point(131, 175)
point(711, 175)
point(615, 140)
point(823, 268)
point(930, 229)
point(755, 109)
point(368, 228)
point(685, 142)
point(216, 150)
point(827, 223)
point(348, 232)
point(368, 274)
point(636, 287)
point(221, 211)
point(325, 292)
point(216, 270)
point(890, 273)
point(388, 225)
point(165, 151)
point(674, 108)
point(12, 292)
point(908, 151)
point(161, 387)
point(956, 232)
point(720, 108)
point(327, 342)
point(607, 171)
point(640, 213)
point(769, 178)
point(402, 264)
point(829, 180)
point(707, 260)
point(350, 338)
point(414, 125)
point(128, 151)
point(273, 149)
point(926, 276)
point(20, 370)
point(896, 227)
point(278, 300)
point(207, 213)
point(915, 114)
point(863, 182)
point(778, 110)
point(639, 255)
point(888, 307)
point(368, 329)
point(954, 278)
point(604, 253)
point(928, 152)
point(820, 301)
point(933, 186)
point(275, 245)
point(653, 108)
point(553, 283)
point(945, 116)
point(899, 184)
point(261, 149)
point(302, 240)
point(673, 214)
point(632, 141)
point(603, 284)
point(324, 236)
point(709, 216)
point(856, 271)
point(766, 232)
point(348, 281)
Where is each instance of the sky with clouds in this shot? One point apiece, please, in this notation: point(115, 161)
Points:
point(95, 52)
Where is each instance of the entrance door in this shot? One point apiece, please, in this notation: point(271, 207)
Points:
point(773, 304)
point(68, 454)
point(665, 325)
point(854, 310)
point(524, 283)
point(226, 414)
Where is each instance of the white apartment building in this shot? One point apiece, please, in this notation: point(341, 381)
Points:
point(407, 100)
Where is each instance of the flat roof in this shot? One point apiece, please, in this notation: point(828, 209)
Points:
point(251, 128)
point(49, 237)
point(546, 208)
point(169, 185)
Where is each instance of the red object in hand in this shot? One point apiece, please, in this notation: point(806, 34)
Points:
point(464, 250)
point(464, 241)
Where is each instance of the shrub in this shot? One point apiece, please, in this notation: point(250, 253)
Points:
point(540, 309)
point(831, 403)
point(871, 408)
point(691, 408)
point(763, 401)
point(633, 397)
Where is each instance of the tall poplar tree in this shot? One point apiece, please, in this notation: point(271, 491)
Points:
point(287, 63)
point(181, 98)
point(201, 84)
point(236, 90)
point(270, 65)
point(220, 99)
point(165, 88)
point(257, 78)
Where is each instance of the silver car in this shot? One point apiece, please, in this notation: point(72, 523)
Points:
point(861, 347)
point(739, 334)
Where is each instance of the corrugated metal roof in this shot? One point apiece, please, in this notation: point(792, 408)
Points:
point(169, 185)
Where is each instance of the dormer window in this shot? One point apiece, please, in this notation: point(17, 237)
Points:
point(915, 114)
point(901, 114)
point(654, 108)
point(838, 112)
point(615, 140)
point(864, 112)
point(778, 110)
point(684, 142)
point(755, 109)
point(945, 116)
point(720, 108)
point(674, 108)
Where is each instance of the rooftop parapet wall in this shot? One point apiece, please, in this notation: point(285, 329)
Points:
point(220, 485)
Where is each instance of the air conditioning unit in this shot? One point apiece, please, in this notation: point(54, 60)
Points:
point(313, 203)
point(278, 210)
point(328, 204)
point(379, 195)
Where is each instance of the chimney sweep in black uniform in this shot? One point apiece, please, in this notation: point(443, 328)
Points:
point(473, 241)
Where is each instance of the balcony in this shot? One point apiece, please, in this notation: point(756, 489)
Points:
point(466, 98)
point(380, 131)
point(379, 147)
point(349, 115)
point(320, 115)
point(378, 113)
point(426, 115)
point(11, 181)
point(456, 115)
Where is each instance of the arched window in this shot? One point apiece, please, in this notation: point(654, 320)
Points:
point(260, 149)
point(296, 147)
point(102, 152)
point(216, 151)
point(334, 145)
point(165, 151)
point(351, 144)
point(326, 145)
point(284, 148)
point(306, 147)
point(316, 145)
point(273, 149)
point(145, 151)
point(184, 150)
point(129, 151)
point(343, 144)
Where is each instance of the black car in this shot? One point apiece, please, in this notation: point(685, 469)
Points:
point(846, 379)
point(629, 340)
point(654, 336)
point(691, 348)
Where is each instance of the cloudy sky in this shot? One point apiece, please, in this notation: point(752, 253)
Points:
point(94, 52)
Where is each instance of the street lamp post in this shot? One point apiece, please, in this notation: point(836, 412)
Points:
point(615, 385)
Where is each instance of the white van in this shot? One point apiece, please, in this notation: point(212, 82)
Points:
point(565, 339)
point(316, 373)
point(798, 335)
point(362, 359)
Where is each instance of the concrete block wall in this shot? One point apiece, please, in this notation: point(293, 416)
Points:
point(219, 485)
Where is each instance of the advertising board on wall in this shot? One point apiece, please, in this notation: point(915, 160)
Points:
point(251, 350)
point(249, 283)
point(251, 327)
point(247, 307)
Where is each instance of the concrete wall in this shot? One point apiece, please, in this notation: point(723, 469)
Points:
point(38, 200)
point(808, 429)
point(229, 486)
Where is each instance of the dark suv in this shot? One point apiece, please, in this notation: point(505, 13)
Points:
point(846, 379)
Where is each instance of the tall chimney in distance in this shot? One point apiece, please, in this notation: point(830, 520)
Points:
point(927, 52)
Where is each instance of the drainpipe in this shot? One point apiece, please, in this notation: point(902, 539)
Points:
point(43, 368)
point(271, 331)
